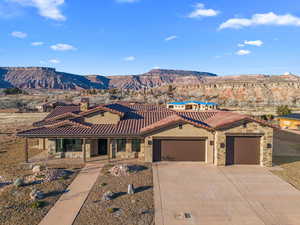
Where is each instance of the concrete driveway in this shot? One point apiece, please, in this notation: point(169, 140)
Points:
point(187, 193)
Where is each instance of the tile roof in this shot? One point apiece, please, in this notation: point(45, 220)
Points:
point(294, 116)
point(135, 120)
point(195, 102)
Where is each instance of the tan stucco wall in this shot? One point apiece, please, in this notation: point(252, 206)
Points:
point(289, 123)
point(187, 130)
point(252, 128)
point(103, 118)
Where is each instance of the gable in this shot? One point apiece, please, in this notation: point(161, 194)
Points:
point(102, 117)
point(187, 130)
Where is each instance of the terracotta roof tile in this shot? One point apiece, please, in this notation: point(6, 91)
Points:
point(136, 120)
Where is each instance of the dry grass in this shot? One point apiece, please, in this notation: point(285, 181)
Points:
point(290, 169)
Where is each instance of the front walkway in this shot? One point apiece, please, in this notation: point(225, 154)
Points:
point(69, 204)
point(193, 194)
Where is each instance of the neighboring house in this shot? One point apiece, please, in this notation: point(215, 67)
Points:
point(192, 105)
point(49, 106)
point(154, 133)
point(291, 121)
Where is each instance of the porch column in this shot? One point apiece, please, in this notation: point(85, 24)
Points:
point(84, 150)
point(44, 143)
point(26, 150)
point(109, 149)
point(128, 145)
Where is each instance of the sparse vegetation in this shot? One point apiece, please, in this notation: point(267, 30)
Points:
point(37, 204)
point(283, 110)
point(14, 91)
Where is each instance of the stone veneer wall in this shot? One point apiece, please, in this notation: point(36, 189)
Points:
point(251, 128)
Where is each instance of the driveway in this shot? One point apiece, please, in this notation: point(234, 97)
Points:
point(189, 193)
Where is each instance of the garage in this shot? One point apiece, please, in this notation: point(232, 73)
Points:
point(178, 150)
point(242, 150)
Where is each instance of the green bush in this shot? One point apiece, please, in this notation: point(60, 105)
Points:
point(103, 184)
point(111, 210)
point(38, 204)
point(283, 110)
point(13, 91)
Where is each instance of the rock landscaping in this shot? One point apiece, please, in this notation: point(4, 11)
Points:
point(122, 194)
point(27, 192)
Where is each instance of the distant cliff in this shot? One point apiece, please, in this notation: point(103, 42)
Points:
point(49, 78)
point(241, 90)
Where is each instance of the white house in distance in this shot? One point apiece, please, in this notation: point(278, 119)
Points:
point(192, 105)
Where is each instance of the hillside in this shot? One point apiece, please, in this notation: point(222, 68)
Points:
point(239, 90)
point(49, 78)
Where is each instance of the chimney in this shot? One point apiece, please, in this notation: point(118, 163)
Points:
point(84, 104)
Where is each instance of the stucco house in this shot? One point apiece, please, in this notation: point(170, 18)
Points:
point(290, 121)
point(154, 133)
point(192, 105)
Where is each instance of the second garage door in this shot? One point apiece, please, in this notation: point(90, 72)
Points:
point(242, 150)
point(179, 150)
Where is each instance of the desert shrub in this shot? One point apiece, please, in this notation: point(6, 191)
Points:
point(103, 184)
point(283, 110)
point(111, 210)
point(38, 204)
point(13, 91)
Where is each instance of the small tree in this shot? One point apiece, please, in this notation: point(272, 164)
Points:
point(283, 110)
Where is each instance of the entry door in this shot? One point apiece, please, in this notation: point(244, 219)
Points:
point(102, 147)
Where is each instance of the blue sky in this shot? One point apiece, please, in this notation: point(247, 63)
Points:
point(133, 36)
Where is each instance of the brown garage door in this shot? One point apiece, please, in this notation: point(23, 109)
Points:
point(242, 150)
point(179, 150)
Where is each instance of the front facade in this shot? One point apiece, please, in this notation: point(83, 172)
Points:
point(291, 121)
point(192, 105)
point(153, 133)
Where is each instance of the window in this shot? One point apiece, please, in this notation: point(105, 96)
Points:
point(136, 145)
point(121, 145)
point(68, 145)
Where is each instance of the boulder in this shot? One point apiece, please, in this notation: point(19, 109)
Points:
point(107, 196)
point(36, 169)
point(36, 194)
point(130, 189)
point(18, 182)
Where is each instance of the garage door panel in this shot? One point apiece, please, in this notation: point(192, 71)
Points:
point(246, 150)
point(242, 150)
point(183, 150)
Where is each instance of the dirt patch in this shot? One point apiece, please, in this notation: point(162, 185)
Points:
point(290, 169)
point(136, 209)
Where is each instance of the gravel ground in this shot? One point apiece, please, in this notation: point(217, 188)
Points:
point(136, 209)
point(15, 203)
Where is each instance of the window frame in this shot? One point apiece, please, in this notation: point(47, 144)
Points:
point(121, 145)
point(137, 144)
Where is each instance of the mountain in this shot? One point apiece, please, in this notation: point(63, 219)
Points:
point(49, 78)
point(238, 90)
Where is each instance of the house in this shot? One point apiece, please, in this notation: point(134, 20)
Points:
point(154, 133)
point(291, 121)
point(49, 106)
point(192, 105)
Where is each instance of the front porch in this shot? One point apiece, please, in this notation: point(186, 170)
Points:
point(89, 149)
